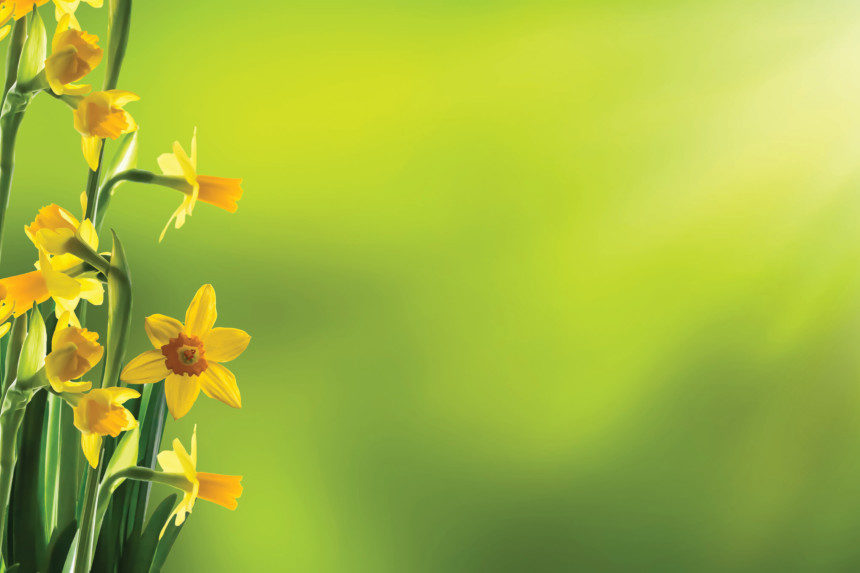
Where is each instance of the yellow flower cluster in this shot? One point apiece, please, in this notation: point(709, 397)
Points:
point(188, 356)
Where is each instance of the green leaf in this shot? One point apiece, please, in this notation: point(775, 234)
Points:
point(165, 544)
point(58, 549)
point(119, 313)
point(25, 512)
point(35, 49)
point(51, 473)
point(152, 429)
point(33, 351)
point(141, 552)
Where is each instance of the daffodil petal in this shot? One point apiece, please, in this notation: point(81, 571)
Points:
point(219, 383)
point(91, 443)
point(225, 344)
point(161, 329)
point(180, 393)
point(201, 313)
point(146, 368)
point(169, 462)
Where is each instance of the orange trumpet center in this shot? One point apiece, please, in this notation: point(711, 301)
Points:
point(185, 355)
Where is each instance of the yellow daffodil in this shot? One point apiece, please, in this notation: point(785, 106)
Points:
point(64, 7)
point(101, 115)
point(74, 351)
point(17, 9)
point(219, 191)
point(74, 54)
point(188, 356)
point(56, 231)
point(100, 412)
point(217, 488)
point(22, 291)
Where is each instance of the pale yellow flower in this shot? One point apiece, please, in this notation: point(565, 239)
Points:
point(217, 488)
point(99, 413)
point(74, 54)
point(52, 232)
point(74, 351)
point(64, 7)
point(188, 356)
point(100, 115)
point(219, 191)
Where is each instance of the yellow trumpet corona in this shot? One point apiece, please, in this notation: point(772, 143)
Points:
point(74, 351)
point(74, 54)
point(221, 489)
point(100, 116)
point(219, 191)
point(99, 413)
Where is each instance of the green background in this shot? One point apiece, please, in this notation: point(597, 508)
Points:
point(533, 286)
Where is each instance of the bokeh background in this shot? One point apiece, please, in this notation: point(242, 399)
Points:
point(533, 286)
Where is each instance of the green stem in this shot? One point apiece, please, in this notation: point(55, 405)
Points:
point(119, 316)
point(14, 107)
point(120, 22)
point(11, 416)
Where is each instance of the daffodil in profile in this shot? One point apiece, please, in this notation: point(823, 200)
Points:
point(100, 413)
point(219, 191)
point(221, 489)
point(74, 351)
point(59, 235)
point(74, 54)
point(20, 292)
point(69, 7)
point(101, 115)
point(188, 356)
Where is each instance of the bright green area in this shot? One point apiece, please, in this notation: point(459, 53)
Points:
point(534, 286)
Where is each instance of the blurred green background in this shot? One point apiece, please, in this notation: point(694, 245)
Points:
point(533, 286)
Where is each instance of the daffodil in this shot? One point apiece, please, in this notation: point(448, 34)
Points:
point(21, 291)
point(64, 7)
point(58, 232)
point(17, 9)
point(74, 351)
point(219, 191)
point(101, 115)
point(188, 356)
point(217, 488)
point(99, 413)
point(74, 54)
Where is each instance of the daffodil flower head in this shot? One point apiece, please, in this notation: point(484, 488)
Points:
point(99, 413)
point(74, 54)
point(99, 116)
point(17, 9)
point(188, 356)
point(221, 489)
point(219, 191)
point(20, 292)
point(74, 351)
point(68, 7)
point(56, 232)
